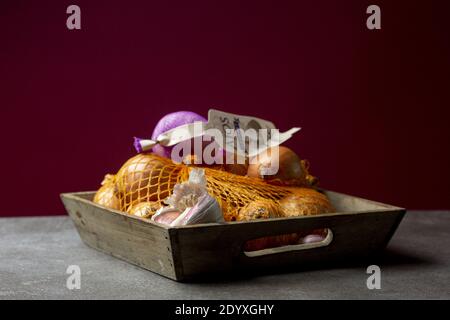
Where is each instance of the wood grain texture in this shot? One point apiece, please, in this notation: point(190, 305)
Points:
point(126, 237)
point(359, 228)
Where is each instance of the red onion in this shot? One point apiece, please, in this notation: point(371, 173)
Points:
point(171, 121)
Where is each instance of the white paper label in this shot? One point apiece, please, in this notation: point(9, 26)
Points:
point(244, 135)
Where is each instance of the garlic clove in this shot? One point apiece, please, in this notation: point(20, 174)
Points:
point(166, 215)
point(206, 210)
point(312, 238)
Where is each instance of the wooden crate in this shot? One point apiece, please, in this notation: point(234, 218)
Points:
point(359, 227)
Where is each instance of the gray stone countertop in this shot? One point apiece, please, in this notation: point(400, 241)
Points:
point(36, 252)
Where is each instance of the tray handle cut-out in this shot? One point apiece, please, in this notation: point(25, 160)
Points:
point(296, 247)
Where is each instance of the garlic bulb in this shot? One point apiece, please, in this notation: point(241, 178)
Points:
point(206, 210)
point(186, 194)
point(190, 203)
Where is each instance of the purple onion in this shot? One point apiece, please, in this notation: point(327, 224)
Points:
point(170, 121)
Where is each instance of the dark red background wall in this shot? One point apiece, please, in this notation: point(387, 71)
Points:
point(374, 105)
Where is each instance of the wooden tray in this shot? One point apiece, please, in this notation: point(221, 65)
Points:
point(360, 227)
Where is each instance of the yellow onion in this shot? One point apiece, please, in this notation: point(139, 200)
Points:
point(264, 209)
point(259, 209)
point(228, 210)
point(106, 195)
point(145, 177)
point(290, 171)
point(304, 202)
point(239, 165)
point(236, 168)
point(144, 209)
point(301, 202)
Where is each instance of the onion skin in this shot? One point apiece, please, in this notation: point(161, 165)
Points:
point(171, 121)
point(239, 169)
point(261, 209)
point(302, 202)
point(139, 178)
point(257, 244)
point(235, 167)
point(305, 202)
point(271, 242)
point(290, 171)
point(144, 209)
point(107, 195)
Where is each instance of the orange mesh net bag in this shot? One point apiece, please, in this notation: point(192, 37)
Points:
point(150, 178)
point(147, 178)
